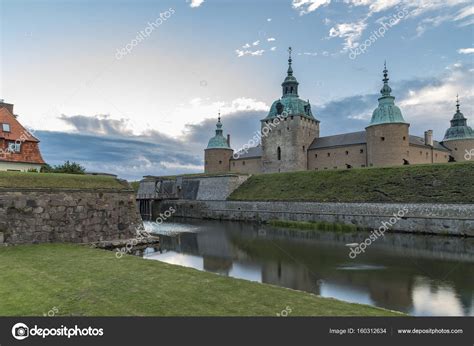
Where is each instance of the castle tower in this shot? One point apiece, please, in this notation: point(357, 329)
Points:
point(387, 133)
point(460, 137)
point(288, 130)
point(218, 152)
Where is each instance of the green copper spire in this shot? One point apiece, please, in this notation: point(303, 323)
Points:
point(290, 104)
point(290, 84)
point(387, 112)
point(459, 128)
point(218, 141)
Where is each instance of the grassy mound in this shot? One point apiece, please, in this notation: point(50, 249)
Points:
point(79, 281)
point(442, 183)
point(58, 181)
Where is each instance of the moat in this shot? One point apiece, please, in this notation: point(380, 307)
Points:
point(416, 274)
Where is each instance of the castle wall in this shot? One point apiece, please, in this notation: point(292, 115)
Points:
point(217, 160)
point(461, 149)
point(446, 219)
point(387, 144)
point(423, 155)
point(249, 165)
point(337, 157)
point(293, 136)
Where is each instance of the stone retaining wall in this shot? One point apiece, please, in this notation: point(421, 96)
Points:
point(76, 216)
point(452, 219)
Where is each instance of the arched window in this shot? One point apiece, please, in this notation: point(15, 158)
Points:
point(291, 90)
point(279, 153)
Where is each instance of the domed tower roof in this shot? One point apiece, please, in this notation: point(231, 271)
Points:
point(290, 103)
point(218, 141)
point(386, 112)
point(459, 128)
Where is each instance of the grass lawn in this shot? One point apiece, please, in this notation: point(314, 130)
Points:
point(58, 180)
point(441, 183)
point(81, 281)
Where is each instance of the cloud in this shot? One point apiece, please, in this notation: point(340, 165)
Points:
point(273, 48)
point(350, 32)
point(307, 6)
point(256, 43)
point(130, 158)
point(466, 51)
point(99, 124)
point(241, 53)
point(196, 3)
point(271, 39)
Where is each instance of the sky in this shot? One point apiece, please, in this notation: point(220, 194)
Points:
point(133, 87)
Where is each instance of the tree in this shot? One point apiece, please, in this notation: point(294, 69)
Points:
point(66, 167)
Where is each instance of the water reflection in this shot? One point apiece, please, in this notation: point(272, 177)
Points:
point(419, 275)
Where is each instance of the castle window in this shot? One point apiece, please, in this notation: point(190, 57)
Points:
point(329, 154)
point(421, 153)
point(288, 128)
point(291, 90)
point(220, 162)
point(291, 117)
point(243, 163)
point(404, 138)
point(303, 148)
point(315, 155)
point(347, 153)
point(382, 138)
point(456, 149)
point(279, 153)
point(6, 127)
point(361, 151)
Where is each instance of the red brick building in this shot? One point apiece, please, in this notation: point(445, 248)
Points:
point(19, 149)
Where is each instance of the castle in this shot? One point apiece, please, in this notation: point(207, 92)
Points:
point(290, 140)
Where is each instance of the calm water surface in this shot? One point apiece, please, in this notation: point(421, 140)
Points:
point(419, 275)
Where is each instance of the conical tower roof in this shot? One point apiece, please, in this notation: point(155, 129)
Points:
point(459, 128)
point(386, 112)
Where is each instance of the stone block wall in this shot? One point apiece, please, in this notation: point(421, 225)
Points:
point(445, 219)
point(74, 216)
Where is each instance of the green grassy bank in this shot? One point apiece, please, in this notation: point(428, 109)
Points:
point(58, 181)
point(441, 183)
point(315, 225)
point(80, 281)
